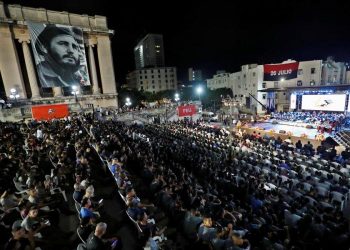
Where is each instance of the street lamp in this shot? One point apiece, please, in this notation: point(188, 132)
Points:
point(199, 91)
point(14, 95)
point(128, 102)
point(177, 97)
point(75, 92)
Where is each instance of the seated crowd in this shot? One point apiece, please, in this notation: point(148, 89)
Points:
point(221, 191)
point(229, 198)
point(40, 163)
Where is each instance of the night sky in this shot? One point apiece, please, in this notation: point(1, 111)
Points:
point(220, 35)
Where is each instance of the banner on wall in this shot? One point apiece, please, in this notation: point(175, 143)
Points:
point(293, 101)
point(186, 110)
point(59, 55)
point(277, 72)
point(48, 112)
point(324, 102)
point(271, 101)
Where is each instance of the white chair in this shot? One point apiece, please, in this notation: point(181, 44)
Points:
point(338, 197)
point(81, 239)
point(322, 191)
point(307, 186)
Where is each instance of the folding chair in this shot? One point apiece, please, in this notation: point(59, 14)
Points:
point(81, 239)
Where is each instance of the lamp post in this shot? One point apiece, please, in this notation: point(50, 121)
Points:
point(199, 91)
point(14, 95)
point(177, 97)
point(75, 92)
point(128, 102)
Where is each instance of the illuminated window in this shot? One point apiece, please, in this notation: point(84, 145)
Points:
point(312, 83)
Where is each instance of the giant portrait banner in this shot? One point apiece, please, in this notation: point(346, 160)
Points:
point(279, 72)
point(59, 55)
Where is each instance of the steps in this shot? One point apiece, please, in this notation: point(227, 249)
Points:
point(342, 138)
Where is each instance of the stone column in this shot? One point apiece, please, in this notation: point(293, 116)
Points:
point(30, 70)
point(93, 71)
point(9, 63)
point(57, 91)
point(105, 60)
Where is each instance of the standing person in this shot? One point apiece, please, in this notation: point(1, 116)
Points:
point(60, 55)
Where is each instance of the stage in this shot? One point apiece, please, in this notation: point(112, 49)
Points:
point(295, 129)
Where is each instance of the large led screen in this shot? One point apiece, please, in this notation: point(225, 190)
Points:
point(59, 55)
point(323, 102)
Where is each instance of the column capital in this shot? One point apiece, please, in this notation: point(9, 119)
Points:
point(91, 41)
point(24, 40)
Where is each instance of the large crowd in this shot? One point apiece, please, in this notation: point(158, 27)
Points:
point(216, 189)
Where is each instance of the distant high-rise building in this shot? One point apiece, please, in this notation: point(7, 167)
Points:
point(194, 75)
point(149, 52)
point(153, 79)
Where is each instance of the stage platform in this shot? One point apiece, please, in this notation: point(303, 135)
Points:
point(296, 129)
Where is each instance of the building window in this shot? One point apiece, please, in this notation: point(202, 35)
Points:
point(145, 71)
point(264, 85)
point(159, 81)
point(313, 70)
point(276, 96)
point(166, 81)
point(300, 72)
point(153, 87)
point(299, 83)
point(238, 77)
point(145, 77)
point(158, 70)
point(166, 70)
point(152, 81)
point(141, 82)
point(284, 93)
point(158, 76)
point(166, 76)
point(275, 84)
point(152, 76)
point(140, 77)
point(152, 71)
point(244, 76)
point(264, 96)
point(141, 87)
point(253, 73)
point(312, 83)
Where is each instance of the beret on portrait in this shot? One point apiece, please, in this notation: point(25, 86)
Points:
point(50, 31)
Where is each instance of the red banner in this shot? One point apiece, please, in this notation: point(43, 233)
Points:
point(277, 72)
point(48, 112)
point(187, 110)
